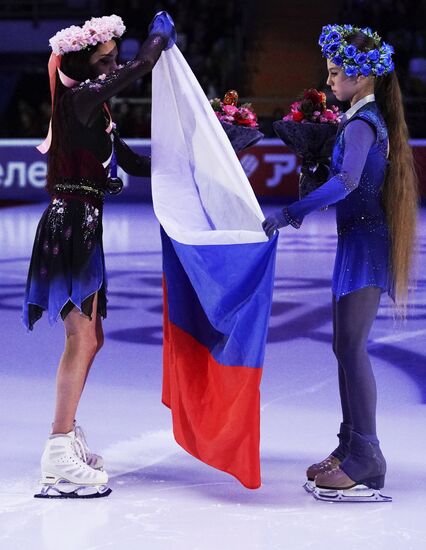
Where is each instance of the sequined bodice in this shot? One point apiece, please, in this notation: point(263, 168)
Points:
point(362, 208)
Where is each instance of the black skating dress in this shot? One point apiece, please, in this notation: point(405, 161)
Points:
point(67, 265)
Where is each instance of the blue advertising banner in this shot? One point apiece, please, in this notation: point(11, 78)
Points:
point(272, 169)
point(23, 172)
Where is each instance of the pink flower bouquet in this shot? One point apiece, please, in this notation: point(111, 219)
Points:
point(239, 123)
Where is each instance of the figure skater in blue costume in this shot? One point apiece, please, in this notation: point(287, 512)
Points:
point(67, 275)
point(374, 187)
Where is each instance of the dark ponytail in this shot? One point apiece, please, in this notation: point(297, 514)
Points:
point(76, 66)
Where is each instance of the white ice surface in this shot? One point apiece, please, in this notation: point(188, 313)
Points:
point(163, 498)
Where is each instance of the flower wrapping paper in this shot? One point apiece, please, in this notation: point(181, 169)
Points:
point(312, 142)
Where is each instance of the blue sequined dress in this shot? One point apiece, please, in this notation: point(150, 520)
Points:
point(363, 245)
point(362, 257)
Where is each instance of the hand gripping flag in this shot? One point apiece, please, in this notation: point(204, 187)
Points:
point(218, 271)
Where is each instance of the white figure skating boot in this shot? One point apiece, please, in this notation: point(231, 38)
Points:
point(92, 459)
point(65, 474)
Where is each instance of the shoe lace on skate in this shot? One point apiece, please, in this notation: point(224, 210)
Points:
point(80, 445)
point(332, 470)
point(327, 462)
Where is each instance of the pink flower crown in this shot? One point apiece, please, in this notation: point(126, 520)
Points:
point(96, 30)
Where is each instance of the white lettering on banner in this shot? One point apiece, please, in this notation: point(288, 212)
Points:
point(18, 174)
point(284, 164)
point(37, 172)
point(19, 167)
point(249, 164)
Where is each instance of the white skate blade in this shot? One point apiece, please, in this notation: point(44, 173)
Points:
point(64, 489)
point(309, 486)
point(359, 493)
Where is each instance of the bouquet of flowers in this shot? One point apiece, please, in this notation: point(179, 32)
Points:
point(310, 131)
point(239, 123)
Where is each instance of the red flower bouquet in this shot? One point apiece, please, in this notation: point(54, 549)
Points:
point(239, 123)
point(313, 108)
point(309, 129)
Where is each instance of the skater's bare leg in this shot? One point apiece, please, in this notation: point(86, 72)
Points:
point(83, 339)
point(68, 468)
point(100, 342)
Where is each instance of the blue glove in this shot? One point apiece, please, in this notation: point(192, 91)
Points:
point(164, 25)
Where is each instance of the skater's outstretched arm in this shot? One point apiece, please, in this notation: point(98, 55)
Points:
point(91, 94)
point(359, 137)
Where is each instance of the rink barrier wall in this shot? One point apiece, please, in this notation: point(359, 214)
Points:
point(271, 167)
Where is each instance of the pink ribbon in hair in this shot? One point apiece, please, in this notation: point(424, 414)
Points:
point(110, 126)
point(53, 65)
point(66, 80)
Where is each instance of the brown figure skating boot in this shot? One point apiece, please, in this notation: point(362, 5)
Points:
point(359, 477)
point(332, 461)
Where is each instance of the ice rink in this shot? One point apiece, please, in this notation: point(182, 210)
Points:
point(163, 498)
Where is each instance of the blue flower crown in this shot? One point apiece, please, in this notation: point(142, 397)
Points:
point(376, 62)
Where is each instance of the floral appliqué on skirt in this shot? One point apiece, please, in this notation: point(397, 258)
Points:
point(67, 264)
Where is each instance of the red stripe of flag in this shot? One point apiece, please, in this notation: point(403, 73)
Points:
point(215, 408)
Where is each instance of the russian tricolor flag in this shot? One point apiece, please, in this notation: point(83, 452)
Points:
point(218, 271)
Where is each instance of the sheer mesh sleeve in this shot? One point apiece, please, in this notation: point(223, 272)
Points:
point(131, 162)
point(90, 95)
point(359, 137)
